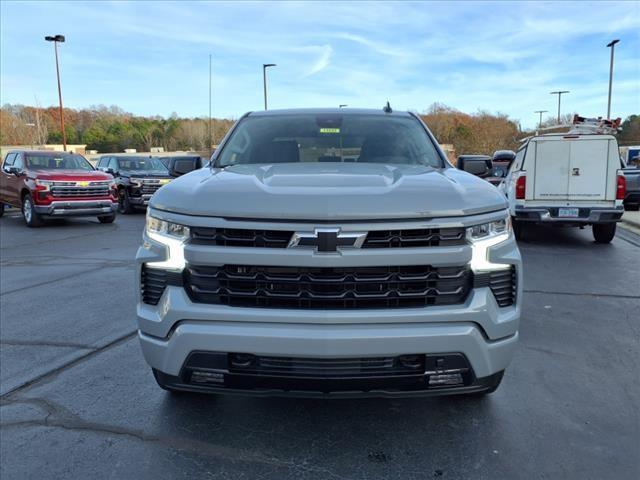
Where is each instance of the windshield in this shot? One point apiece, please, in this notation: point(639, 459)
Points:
point(57, 162)
point(308, 138)
point(141, 163)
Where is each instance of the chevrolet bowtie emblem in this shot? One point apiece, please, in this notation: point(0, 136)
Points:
point(327, 239)
point(82, 184)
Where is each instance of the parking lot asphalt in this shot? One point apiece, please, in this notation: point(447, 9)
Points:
point(78, 400)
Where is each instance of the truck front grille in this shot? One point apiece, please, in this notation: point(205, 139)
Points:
point(149, 188)
point(233, 237)
point(153, 281)
point(95, 189)
point(328, 288)
point(327, 367)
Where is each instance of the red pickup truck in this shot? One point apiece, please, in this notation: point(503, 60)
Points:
point(55, 184)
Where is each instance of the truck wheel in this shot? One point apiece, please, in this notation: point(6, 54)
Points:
point(632, 208)
point(604, 232)
point(124, 206)
point(518, 228)
point(31, 217)
point(107, 218)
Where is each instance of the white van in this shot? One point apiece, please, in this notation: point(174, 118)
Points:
point(569, 179)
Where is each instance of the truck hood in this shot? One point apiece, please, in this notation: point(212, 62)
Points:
point(340, 191)
point(70, 175)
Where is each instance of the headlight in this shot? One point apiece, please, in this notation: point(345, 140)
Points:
point(484, 236)
point(172, 236)
point(169, 229)
point(490, 230)
point(44, 184)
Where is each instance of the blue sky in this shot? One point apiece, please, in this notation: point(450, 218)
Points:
point(152, 58)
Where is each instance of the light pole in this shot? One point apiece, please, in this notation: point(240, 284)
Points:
point(342, 105)
point(55, 39)
point(540, 112)
point(264, 80)
point(611, 44)
point(559, 93)
point(210, 139)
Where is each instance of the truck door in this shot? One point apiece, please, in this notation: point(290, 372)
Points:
point(15, 182)
point(552, 159)
point(588, 169)
point(5, 178)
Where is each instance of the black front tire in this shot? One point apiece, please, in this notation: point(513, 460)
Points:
point(124, 205)
point(632, 208)
point(107, 218)
point(31, 217)
point(604, 232)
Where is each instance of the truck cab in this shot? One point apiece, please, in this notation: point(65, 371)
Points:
point(567, 179)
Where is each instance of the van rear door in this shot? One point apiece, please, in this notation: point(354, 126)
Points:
point(552, 160)
point(588, 169)
point(571, 168)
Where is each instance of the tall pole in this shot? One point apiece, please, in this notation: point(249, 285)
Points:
point(559, 93)
point(612, 45)
point(540, 112)
point(264, 80)
point(210, 139)
point(55, 40)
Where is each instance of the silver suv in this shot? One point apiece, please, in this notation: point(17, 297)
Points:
point(329, 252)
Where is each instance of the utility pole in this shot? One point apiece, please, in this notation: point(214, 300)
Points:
point(540, 112)
point(559, 93)
point(210, 131)
point(264, 80)
point(55, 39)
point(612, 45)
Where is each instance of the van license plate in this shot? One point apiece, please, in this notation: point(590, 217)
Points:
point(568, 212)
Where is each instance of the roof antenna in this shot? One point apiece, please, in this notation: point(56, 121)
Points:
point(387, 108)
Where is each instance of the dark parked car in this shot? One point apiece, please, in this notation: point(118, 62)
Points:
point(502, 160)
point(181, 164)
point(137, 179)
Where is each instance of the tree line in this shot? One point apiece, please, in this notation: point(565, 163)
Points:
point(111, 129)
point(107, 129)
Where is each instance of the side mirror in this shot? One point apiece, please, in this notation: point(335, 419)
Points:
point(110, 170)
point(14, 170)
point(476, 166)
point(180, 167)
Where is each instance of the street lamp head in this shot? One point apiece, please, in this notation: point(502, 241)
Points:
point(559, 92)
point(613, 42)
point(56, 38)
point(265, 65)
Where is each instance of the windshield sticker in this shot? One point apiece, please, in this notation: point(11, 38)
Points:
point(329, 130)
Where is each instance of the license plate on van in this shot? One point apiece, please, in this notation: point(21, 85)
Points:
point(568, 212)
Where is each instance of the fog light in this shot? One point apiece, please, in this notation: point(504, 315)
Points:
point(199, 376)
point(448, 379)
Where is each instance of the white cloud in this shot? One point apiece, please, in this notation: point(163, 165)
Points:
point(321, 63)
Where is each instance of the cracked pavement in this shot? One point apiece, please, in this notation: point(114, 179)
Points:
point(77, 399)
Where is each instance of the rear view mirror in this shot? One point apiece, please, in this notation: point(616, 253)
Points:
point(14, 170)
point(481, 167)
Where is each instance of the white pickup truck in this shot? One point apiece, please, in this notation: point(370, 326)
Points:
point(568, 179)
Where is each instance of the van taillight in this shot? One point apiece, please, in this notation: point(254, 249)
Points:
point(521, 187)
point(621, 188)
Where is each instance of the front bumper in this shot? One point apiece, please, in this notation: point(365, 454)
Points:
point(69, 208)
point(140, 201)
point(586, 215)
